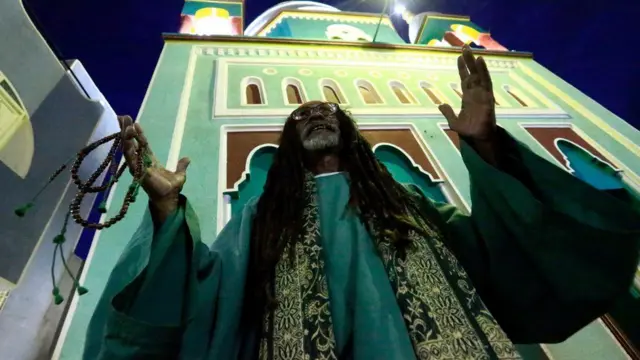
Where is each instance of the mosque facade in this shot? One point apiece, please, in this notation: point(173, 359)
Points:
point(222, 90)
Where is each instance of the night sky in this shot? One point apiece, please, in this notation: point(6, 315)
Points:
point(591, 44)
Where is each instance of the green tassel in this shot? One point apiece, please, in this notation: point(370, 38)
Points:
point(59, 239)
point(103, 206)
point(22, 211)
point(134, 187)
point(57, 298)
point(146, 160)
point(82, 290)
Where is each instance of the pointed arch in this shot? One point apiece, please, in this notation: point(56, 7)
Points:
point(253, 91)
point(403, 94)
point(589, 167)
point(368, 92)
point(253, 177)
point(404, 170)
point(332, 92)
point(293, 91)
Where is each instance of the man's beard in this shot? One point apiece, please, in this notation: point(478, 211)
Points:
point(322, 140)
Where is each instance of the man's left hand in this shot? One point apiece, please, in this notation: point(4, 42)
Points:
point(477, 119)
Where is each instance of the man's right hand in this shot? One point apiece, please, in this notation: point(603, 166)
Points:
point(161, 185)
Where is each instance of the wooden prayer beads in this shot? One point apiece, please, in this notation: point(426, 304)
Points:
point(88, 187)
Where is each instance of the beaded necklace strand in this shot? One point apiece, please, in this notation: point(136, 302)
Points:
point(87, 187)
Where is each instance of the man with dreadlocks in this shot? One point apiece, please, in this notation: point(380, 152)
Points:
point(336, 260)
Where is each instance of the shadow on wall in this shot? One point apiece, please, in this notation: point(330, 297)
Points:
point(44, 119)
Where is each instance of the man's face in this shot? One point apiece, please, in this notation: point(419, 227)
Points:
point(317, 125)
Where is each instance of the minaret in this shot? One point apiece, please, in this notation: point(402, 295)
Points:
point(213, 18)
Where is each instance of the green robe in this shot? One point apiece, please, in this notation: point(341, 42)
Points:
point(546, 252)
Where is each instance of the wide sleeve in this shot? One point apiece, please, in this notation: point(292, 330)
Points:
point(547, 252)
point(162, 294)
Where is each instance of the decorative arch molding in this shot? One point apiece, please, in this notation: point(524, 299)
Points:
point(402, 93)
point(335, 87)
point(296, 83)
point(415, 165)
point(548, 138)
point(567, 162)
point(434, 95)
point(247, 169)
point(242, 145)
point(253, 80)
point(517, 95)
point(224, 86)
point(239, 143)
point(368, 87)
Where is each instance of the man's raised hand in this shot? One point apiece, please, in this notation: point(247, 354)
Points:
point(477, 119)
point(161, 185)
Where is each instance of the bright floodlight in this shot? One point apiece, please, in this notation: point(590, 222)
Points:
point(399, 9)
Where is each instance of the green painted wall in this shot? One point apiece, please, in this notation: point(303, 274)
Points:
point(173, 94)
point(379, 76)
point(316, 29)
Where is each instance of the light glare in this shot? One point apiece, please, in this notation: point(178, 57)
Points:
point(399, 9)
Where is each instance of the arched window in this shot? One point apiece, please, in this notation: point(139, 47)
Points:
point(368, 92)
point(293, 95)
point(253, 94)
point(456, 89)
point(403, 170)
point(431, 92)
point(402, 93)
point(588, 167)
point(331, 91)
point(294, 91)
point(514, 95)
point(253, 91)
point(330, 94)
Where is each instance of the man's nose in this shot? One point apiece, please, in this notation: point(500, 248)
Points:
point(316, 117)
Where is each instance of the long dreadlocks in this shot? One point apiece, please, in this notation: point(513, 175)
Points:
point(278, 220)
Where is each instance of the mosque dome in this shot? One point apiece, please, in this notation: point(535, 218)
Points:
point(268, 15)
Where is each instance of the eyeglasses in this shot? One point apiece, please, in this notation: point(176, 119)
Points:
point(324, 109)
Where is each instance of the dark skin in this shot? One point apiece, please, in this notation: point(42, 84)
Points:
point(476, 123)
point(324, 161)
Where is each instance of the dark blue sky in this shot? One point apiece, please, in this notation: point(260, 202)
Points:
point(591, 44)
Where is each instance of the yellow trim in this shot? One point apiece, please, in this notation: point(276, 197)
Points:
point(635, 149)
point(467, 30)
point(533, 91)
point(399, 49)
point(426, 19)
point(206, 12)
point(374, 18)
